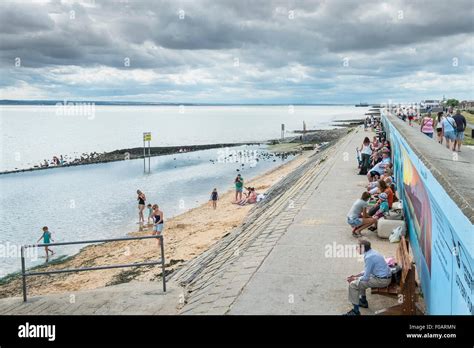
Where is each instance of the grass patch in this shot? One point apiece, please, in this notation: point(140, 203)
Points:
point(468, 140)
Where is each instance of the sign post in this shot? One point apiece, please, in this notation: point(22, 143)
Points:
point(146, 137)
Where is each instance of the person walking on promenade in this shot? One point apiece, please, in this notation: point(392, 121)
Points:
point(460, 127)
point(46, 236)
point(439, 127)
point(141, 206)
point(376, 274)
point(411, 116)
point(427, 125)
point(158, 222)
point(239, 186)
point(214, 198)
point(366, 152)
point(449, 130)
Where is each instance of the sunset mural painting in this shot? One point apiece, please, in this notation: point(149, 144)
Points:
point(417, 200)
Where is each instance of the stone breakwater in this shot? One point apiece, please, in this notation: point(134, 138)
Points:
point(315, 136)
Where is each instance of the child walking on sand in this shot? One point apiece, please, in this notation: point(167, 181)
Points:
point(150, 214)
point(214, 198)
point(46, 240)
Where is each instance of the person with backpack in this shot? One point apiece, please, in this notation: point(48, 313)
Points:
point(449, 130)
point(460, 127)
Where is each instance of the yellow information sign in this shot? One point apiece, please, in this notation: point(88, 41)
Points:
point(147, 136)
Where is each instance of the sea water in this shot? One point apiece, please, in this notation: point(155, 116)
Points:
point(98, 201)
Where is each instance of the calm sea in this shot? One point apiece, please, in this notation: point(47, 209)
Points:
point(99, 201)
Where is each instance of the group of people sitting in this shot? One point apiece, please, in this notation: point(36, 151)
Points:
point(249, 197)
point(380, 194)
point(372, 153)
point(366, 211)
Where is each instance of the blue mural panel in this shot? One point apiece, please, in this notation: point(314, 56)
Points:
point(441, 236)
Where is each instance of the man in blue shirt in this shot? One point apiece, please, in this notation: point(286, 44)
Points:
point(376, 274)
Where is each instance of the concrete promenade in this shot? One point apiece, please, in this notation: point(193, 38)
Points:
point(284, 268)
point(281, 261)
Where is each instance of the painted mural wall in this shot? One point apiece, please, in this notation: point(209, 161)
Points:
point(441, 236)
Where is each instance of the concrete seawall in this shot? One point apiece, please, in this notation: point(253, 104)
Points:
point(437, 189)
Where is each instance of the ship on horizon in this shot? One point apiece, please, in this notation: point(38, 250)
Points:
point(362, 105)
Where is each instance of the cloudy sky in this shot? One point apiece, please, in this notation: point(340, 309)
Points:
point(246, 51)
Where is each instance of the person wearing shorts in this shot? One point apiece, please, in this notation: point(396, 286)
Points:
point(150, 214)
point(460, 127)
point(439, 127)
point(449, 131)
point(46, 236)
point(214, 198)
point(158, 225)
point(357, 217)
point(239, 186)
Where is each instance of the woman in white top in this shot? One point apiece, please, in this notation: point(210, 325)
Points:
point(366, 152)
point(439, 127)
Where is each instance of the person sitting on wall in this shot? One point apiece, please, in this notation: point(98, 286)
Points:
point(379, 168)
point(376, 274)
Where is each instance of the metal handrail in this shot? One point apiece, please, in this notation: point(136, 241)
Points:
point(25, 274)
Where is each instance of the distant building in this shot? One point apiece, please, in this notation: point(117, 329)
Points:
point(431, 105)
point(466, 105)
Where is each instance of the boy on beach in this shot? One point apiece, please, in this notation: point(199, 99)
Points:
point(214, 198)
point(46, 240)
point(150, 214)
point(239, 185)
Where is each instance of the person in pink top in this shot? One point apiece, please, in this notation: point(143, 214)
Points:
point(427, 124)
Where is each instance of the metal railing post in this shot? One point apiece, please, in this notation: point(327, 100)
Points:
point(163, 262)
point(23, 276)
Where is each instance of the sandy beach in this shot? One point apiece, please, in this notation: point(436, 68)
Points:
point(186, 236)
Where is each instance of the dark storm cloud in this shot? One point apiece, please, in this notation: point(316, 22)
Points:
point(278, 44)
